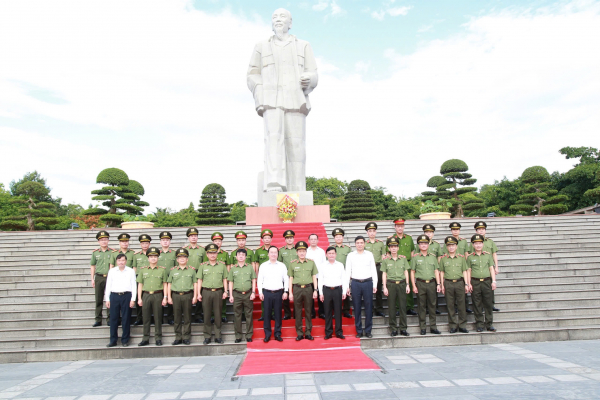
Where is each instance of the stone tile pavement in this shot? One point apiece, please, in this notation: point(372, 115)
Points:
point(550, 370)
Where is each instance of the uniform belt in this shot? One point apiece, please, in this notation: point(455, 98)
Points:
point(362, 280)
point(481, 279)
point(426, 281)
point(396, 282)
point(212, 289)
point(454, 280)
point(154, 291)
point(302, 286)
point(120, 293)
point(272, 291)
point(104, 275)
point(332, 287)
point(184, 293)
point(247, 291)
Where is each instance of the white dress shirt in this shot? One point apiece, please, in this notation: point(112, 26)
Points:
point(361, 266)
point(333, 275)
point(318, 256)
point(120, 281)
point(273, 276)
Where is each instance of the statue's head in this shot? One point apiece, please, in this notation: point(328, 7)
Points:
point(281, 21)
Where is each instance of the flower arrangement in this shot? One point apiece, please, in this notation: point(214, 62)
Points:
point(287, 208)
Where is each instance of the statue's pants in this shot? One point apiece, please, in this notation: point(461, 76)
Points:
point(285, 150)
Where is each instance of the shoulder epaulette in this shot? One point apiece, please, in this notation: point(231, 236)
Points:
point(460, 238)
point(111, 249)
point(431, 254)
point(446, 256)
point(187, 246)
point(220, 262)
point(161, 267)
point(295, 261)
point(138, 252)
point(484, 252)
point(114, 251)
point(147, 266)
point(435, 241)
point(460, 255)
point(189, 266)
point(98, 249)
point(401, 256)
point(310, 259)
point(173, 268)
point(390, 236)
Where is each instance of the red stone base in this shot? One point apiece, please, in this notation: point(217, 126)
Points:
point(269, 215)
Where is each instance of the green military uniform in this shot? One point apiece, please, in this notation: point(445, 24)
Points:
point(101, 261)
point(406, 246)
point(261, 254)
point(128, 254)
point(223, 256)
point(424, 267)
point(481, 280)
point(197, 255)
point(286, 255)
point(250, 258)
point(242, 278)
point(168, 260)
point(461, 248)
point(488, 246)
point(454, 285)
point(152, 280)
point(181, 281)
point(377, 247)
point(302, 273)
point(396, 285)
point(212, 293)
point(341, 254)
point(139, 260)
point(435, 248)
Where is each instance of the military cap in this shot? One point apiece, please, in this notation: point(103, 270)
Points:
point(191, 231)
point(102, 234)
point(337, 231)
point(428, 228)
point(211, 248)
point(450, 240)
point(124, 237)
point(145, 238)
point(240, 235)
point(455, 225)
point(267, 232)
point(399, 221)
point(216, 235)
point(165, 235)
point(153, 251)
point(370, 225)
point(289, 233)
point(181, 252)
point(301, 245)
point(392, 242)
point(480, 224)
point(422, 239)
point(477, 238)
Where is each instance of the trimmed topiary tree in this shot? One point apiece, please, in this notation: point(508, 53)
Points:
point(136, 188)
point(116, 196)
point(31, 212)
point(213, 209)
point(358, 203)
point(537, 196)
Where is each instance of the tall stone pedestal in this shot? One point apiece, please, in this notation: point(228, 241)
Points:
point(270, 215)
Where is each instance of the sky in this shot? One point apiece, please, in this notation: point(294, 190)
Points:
point(158, 88)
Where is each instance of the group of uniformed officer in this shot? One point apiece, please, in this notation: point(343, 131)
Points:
point(199, 280)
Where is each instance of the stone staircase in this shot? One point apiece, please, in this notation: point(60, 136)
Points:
point(547, 290)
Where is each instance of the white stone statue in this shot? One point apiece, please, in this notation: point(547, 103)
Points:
point(281, 74)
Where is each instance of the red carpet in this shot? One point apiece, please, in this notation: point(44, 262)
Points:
point(290, 356)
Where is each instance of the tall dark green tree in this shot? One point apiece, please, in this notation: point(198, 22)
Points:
point(30, 210)
point(537, 196)
point(578, 181)
point(213, 209)
point(358, 202)
point(136, 188)
point(328, 191)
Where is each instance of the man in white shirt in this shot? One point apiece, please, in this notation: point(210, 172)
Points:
point(317, 254)
point(273, 287)
point(333, 285)
point(362, 273)
point(119, 295)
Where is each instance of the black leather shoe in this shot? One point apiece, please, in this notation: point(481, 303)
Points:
point(312, 316)
point(491, 329)
point(347, 315)
point(479, 329)
point(327, 337)
point(111, 345)
point(340, 337)
point(322, 316)
point(267, 339)
point(249, 340)
point(469, 311)
point(238, 341)
point(224, 320)
point(404, 333)
point(143, 343)
point(423, 331)
point(379, 314)
point(394, 333)
point(198, 321)
point(299, 338)
point(176, 342)
point(97, 324)
point(286, 317)
point(435, 331)
point(309, 337)
point(136, 323)
point(187, 342)
point(411, 312)
point(206, 341)
point(463, 330)
point(261, 319)
point(453, 330)
point(278, 338)
point(495, 309)
point(359, 335)
point(159, 342)
point(126, 344)
point(369, 335)
point(171, 322)
point(437, 312)
point(219, 340)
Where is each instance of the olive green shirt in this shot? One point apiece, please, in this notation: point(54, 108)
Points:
point(287, 255)
point(261, 255)
point(196, 257)
point(167, 259)
point(302, 271)
point(461, 247)
point(480, 265)
point(488, 245)
point(435, 248)
point(129, 254)
point(395, 268)
point(342, 253)
point(453, 267)
point(212, 275)
point(241, 277)
point(405, 246)
point(101, 259)
point(222, 255)
point(424, 266)
point(182, 280)
point(377, 248)
point(249, 256)
point(140, 259)
point(152, 279)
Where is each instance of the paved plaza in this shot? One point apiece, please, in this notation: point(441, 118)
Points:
point(548, 370)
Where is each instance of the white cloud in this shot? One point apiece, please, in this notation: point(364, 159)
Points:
point(158, 89)
point(362, 66)
point(391, 11)
point(332, 7)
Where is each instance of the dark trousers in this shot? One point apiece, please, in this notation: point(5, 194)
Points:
point(346, 305)
point(287, 311)
point(483, 300)
point(242, 305)
point(333, 307)
point(427, 296)
point(99, 287)
point(152, 304)
point(455, 293)
point(303, 299)
point(397, 302)
point(182, 305)
point(212, 302)
point(139, 318)
point(379, 295)
point(168, 309)
point(198, 311)
point(410, 299)
point(362, 293)
point(273, 303)
point(120, 307)
point(321, 307)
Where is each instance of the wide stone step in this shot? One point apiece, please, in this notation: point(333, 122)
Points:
point(535, 274)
